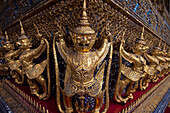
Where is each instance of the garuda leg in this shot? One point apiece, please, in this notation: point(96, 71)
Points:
point(123, 83)
point(99, 102)
point(40, 79)
point(144, 82)
point(131, 88)
point(67, 103)
point(33, 87)
point(19, 76)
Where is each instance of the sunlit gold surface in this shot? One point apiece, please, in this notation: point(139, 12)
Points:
point(34, 71)
point(81, 63)
point(131, 75)
point(12, 63)
point(84, 46)
point(141, 72)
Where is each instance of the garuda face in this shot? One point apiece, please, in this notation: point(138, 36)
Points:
point(83, 43)
point(140, 48)
point(24, 43)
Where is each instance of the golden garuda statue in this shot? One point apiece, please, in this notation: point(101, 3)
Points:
point(164, 54)
point(150, 69)
point(168, 60)
point(8, 46)
point(14, 65)
point(131, 75)
point(157, 52)
point(34, 71)
point(82, 61)
point(167, 57)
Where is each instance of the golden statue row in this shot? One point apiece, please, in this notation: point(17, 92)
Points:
point(24, 65)
point(85, 68)
point(147, 67)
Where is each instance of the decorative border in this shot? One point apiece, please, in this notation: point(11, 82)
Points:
point(11, 100)
point(137, 106)
point(148, 97)
point(134, 17)
point(163, 104)
point(46, 7)
point(30, 12)
point(28, 103)
point(4, 106)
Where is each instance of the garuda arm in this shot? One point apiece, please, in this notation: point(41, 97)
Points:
point(38, 69)
point(127, 56)
point(63, 53)
point(15, 64)
point(103, 50)
point(13, 54)
point(62, 48)
point(153, 60)
point(35, 53)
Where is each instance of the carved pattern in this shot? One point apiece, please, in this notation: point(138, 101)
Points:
point(145, 9)
point(64, 15)
point(14, 9)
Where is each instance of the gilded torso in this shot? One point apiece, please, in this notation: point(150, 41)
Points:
point(23, 56)
point(9, 55)
point(82, 64)
point(136, 59)
point(152, 59)
point(80, 76)
point(139, 64)
point(12, 64)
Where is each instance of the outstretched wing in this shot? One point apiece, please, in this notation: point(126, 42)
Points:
point(131, 74)
point(149, 70)
point(14, 64)
point(100, 73)
point(36, 70)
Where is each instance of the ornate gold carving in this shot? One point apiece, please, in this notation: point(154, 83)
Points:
point(151, 70)
point(161, 55)
point(81, 63)
point(30, 69)
point(12, 63)
point(86, 55)
point(164, 54)
point(147, 100)
point(140, 72)
point(131, 76)
point(155, 96)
